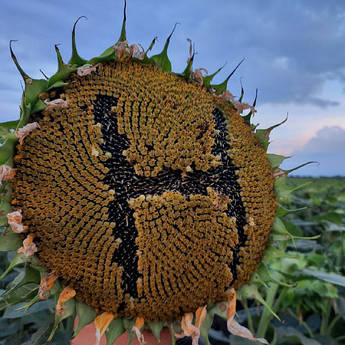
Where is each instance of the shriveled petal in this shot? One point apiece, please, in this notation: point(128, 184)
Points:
point(197, 75)
point(233, 326)
point(14, 220)
point(25, 131)
point(228, 96)
point(56, 103)
point(102, 322)
point(47, 282)
point(200, 316)
point(66, 294)
point(231, 311)
point(279, 173)
point(236, 329)
point(139, 323)
point(6, 173)
point(136, 52)
point(86, 70)
point(121, 48)
point(29, 247)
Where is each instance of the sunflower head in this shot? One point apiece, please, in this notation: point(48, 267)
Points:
point(145, 193)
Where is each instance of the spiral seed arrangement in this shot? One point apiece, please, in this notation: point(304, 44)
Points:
point(143, 191)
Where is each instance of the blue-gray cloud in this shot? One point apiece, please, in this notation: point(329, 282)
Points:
point(291, 47)
point(327, 147)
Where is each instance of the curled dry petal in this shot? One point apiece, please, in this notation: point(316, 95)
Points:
point(25, 131)
point(14, 220)
point(139, 323)
point(200, 316)
point(190, 330)
point(136, 52)
point(66, 294)
point(233, 326)
point(197, 75)
point(102, 322)
point(56, 103)
point(236, 329)
point(121, 48)
point(47, 282)
point(29, 247)
point(6, 173)
point(240, 107)
point(279, 173)
point(86, 70)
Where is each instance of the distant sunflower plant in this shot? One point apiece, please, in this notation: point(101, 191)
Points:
point(137, 197)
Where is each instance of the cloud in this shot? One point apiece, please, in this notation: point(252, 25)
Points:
point(327, 147)
point(327, 140)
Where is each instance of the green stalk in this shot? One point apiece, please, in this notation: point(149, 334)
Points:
point(304, 324)
point(325, 317)
point(249, 317)
point(70, 324)
point(267, 316)
point(333, 323)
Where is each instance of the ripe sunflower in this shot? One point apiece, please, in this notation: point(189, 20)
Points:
point(141, 195)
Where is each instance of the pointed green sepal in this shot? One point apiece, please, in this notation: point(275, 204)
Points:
point(146, 59)
point(17, 260)
point(26, 78)
point(6, 152)
point(276, 160)
point(64, 70)
point(114, 330)
point(242, 93)
point(156, 328)
point(107, 55)
point(187, 73)
point(39, 106)
point(10, 124)
point(58, 84)
point(123, 29)
point(128, 325)
point(151, 45)
point(30, 304)
point(25, 111)
point(86, 315)
point(221, 88)
point(283, 211)
point(9, 241)
point(75, 58)
point(172, 334)
point(205, 328)
point(251, 291)
point(208, 78)
point(5, 208)
point(247, 117)
point(5, 133)
point(265, 272)
point(68, 311)
point(162, 60)
point(33, 87)
point(300, 166)
point(264, 134)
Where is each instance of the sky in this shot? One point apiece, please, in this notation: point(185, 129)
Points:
point(294, 54)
